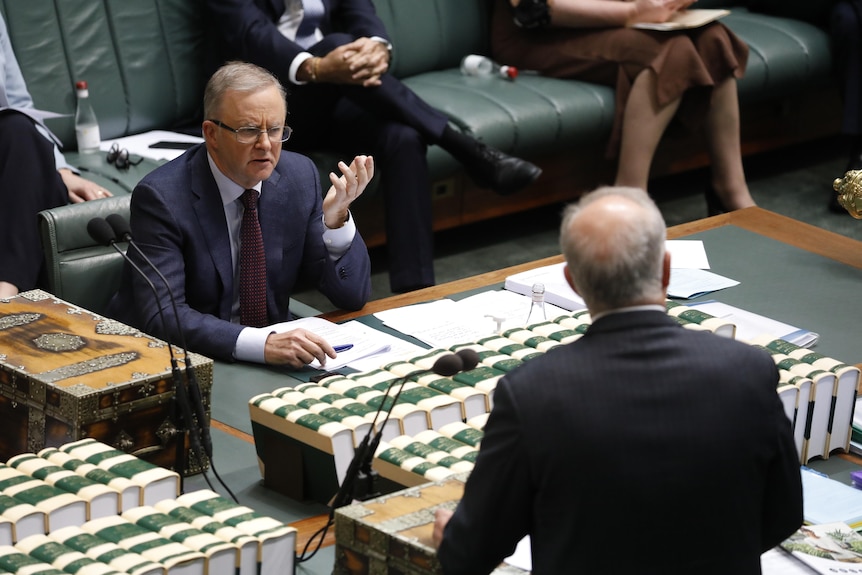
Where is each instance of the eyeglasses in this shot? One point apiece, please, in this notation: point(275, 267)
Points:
point(120, 157)
point(249, 135)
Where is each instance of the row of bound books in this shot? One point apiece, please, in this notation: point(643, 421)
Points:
point(332, 415)
point(88, 507)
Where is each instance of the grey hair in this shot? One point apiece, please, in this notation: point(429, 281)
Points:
point(238, 76)
point(622, 266)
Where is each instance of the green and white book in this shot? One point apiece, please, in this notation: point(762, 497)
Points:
point(106, 552)
point(698, 319)
point(452, 446)
point(156, 482)
point(411, 462)
point(795, 394)
point(176, 558)
point(220, 556)
point(847, 379)
point(247, 546)
point(12, 560)
point(464, 433)
point(61, 508)
point(24, 519)
point(290, 420)
point(509, 347)
point(358, 425)
point(45, 549)
point(130, 493)
point(432, 454)
point(278, 540)
point(101, 500)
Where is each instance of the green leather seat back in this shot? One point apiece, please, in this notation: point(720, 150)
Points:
point(142, 59)
point(81, 271)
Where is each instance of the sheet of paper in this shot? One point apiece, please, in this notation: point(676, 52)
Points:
point(776, 561)
point(365, 340)
point(446, 322)
point(750, 325)
point(688, 283)
point(521, 558)
point(439, 323)
point(139, 144)
point(687, 254)
point(691, 18)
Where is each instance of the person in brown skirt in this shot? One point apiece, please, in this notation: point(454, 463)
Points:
point(688, 76)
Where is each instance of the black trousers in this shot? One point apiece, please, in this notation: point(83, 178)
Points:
point(394, 125)
point(29, 183)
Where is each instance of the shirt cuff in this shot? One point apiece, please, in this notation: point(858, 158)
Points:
point(338, 241)
point(251, 343)
point(294, 67)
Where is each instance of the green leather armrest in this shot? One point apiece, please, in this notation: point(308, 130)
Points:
point(79, 270)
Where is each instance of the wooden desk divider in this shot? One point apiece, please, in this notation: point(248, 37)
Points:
point(818, 394)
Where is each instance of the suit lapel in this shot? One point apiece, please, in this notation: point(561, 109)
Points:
point(272, 217)
point(210, 213)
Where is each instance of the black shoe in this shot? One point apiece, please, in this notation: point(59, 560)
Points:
point(714, 206)
point(531, 13)
point(501, 172)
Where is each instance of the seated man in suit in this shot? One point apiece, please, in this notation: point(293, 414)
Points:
point(335, 55)
point(234, 223)
point(642, 447)
point(34, 176)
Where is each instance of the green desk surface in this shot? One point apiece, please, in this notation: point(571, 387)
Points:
point(789, 284)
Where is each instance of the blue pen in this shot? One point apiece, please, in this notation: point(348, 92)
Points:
point(340, 348)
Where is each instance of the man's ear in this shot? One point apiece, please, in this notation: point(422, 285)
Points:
point(665, 271)
point(569, 279)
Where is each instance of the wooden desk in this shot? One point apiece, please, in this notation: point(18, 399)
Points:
point(783, 229)
point(780, 228)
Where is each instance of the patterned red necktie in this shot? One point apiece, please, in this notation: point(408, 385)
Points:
point(252, 266)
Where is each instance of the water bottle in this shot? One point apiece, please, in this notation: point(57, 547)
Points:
point(86, 125)
point(537, 305)
point(476, 65)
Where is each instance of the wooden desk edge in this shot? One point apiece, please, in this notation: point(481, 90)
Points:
point(780, 228)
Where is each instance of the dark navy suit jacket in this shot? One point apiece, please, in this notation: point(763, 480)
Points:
point(642, 447)
point(178, 220)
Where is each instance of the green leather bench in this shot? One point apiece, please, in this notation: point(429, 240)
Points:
point(143, 60)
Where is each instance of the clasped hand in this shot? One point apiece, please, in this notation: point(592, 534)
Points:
point(360, 62)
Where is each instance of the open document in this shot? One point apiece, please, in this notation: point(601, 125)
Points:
point(357, 340)
point(156, 144)
point(444, 323)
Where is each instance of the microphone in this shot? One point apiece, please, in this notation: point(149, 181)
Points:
point(104, 233)
point(469, 357)
point(359, 479)
point(121, 228)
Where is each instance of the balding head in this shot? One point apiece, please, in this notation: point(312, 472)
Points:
point(613, 240)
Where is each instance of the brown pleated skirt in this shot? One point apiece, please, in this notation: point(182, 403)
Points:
point(687, 63)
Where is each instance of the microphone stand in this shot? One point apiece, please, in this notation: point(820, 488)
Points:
point(360, 477)
point(102, 232)
point(199, 435)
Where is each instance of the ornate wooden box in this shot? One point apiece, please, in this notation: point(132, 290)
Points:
point(391, 535)
point(67, 373)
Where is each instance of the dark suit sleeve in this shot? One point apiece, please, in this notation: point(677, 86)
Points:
point(159, 235)
point(494, 513)
point(782, 504)
point(248, 29)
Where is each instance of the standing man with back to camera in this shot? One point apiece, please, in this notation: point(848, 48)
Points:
point(335, 55)
point(195, 216)
point(642, 447)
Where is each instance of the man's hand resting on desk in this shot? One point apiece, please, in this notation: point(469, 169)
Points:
point(296, 348)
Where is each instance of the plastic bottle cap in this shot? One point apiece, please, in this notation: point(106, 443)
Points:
point(81, 84)
point(511, 72)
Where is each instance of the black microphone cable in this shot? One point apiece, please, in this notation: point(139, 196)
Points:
point(199, 435)
point(103, 233)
